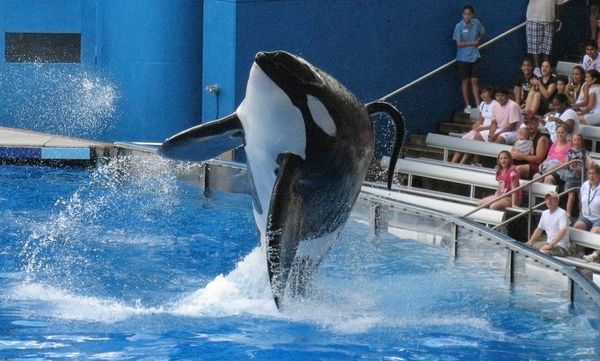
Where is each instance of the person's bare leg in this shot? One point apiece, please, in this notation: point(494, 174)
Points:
point(456, 157)
point(465, 158)
point(465, 91)
point(475, 90)
point(594, 9)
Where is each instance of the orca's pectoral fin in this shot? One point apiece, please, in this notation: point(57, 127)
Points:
point(204, 141)
point(399, 123)
point(284, 224)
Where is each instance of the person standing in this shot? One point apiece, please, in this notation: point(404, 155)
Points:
point(555, 221)
point(594, 13)
point(539, 30)
point(467, 34)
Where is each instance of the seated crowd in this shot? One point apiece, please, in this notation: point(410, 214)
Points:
point(540, 120)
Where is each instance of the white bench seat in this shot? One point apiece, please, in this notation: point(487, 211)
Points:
point(448, 143)
point(564, 68)
point(580, 263)
point(485, 216)
point(469, 177)
point(586, 239)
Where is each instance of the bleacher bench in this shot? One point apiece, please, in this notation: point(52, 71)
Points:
point(448, 143)
point(485, 216)
point(472, 178)
point(564, 68)
point(586, 239)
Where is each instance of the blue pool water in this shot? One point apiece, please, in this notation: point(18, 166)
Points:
point(102, 264)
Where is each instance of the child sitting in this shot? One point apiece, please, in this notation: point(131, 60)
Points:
point(572, 175)
point(523, 143)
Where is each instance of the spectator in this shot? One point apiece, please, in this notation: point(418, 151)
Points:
point(523, 84)
point(575, 90)
point(541, 15)
point(590, 114)
point(506, 118)
point(508, 179)
point(589, 202)
point(467, 34)
point(481, 127)
point(590, 59)
point(523, 144)
point(561, 84)
point(555, 221)
point(542, 91)
point(528, 164)
point(557, 155)
point(561, 115)
point(594, 13)
point(572, 176)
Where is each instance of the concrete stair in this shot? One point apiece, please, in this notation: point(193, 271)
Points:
point(460, 123)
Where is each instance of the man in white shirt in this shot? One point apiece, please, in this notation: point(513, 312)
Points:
point(555, 221)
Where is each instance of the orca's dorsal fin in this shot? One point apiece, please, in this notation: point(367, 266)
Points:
point(399, 123)
point(205, 141)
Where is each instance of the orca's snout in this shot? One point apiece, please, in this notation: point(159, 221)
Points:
point(285, 67)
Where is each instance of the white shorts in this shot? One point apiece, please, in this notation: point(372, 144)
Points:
point(592, 118)
point(509, 137)
point(485, 134)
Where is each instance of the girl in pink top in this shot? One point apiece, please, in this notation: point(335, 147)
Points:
point(508, 179)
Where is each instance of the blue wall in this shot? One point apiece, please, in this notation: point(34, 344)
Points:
point(139, 76)
point(146, 64)
point(372, 47)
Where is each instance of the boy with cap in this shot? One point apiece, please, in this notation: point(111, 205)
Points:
point(555, 221)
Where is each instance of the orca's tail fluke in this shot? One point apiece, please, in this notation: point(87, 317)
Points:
point(204, 141)
point(398, 119)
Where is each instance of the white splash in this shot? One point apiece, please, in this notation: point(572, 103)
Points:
point(244, 290)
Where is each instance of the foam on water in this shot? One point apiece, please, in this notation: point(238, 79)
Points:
point(244, 290)
point(65, 305)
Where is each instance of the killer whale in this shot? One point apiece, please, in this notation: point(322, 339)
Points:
point(308, 142)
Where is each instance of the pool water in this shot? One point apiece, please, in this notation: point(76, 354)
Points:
point(104, 264)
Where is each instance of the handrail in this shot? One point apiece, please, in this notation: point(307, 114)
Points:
point(531, 207)
point(439, 69)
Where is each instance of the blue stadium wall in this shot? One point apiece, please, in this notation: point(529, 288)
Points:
point(372, 47)
point(138, 77)
point(146, 65)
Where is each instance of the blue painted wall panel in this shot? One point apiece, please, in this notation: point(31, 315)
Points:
point(220, 62)
point(145, 63)
point(65, 153)
point(41, 15)
point(376, 47)
point(140, 75)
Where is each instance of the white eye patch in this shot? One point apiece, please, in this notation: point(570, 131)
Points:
point(321, 116)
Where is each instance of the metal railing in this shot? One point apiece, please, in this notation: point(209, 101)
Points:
point(450, 63)
point(530, 204)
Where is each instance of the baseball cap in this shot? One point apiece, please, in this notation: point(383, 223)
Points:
point(552, 194)
point(529, 115)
